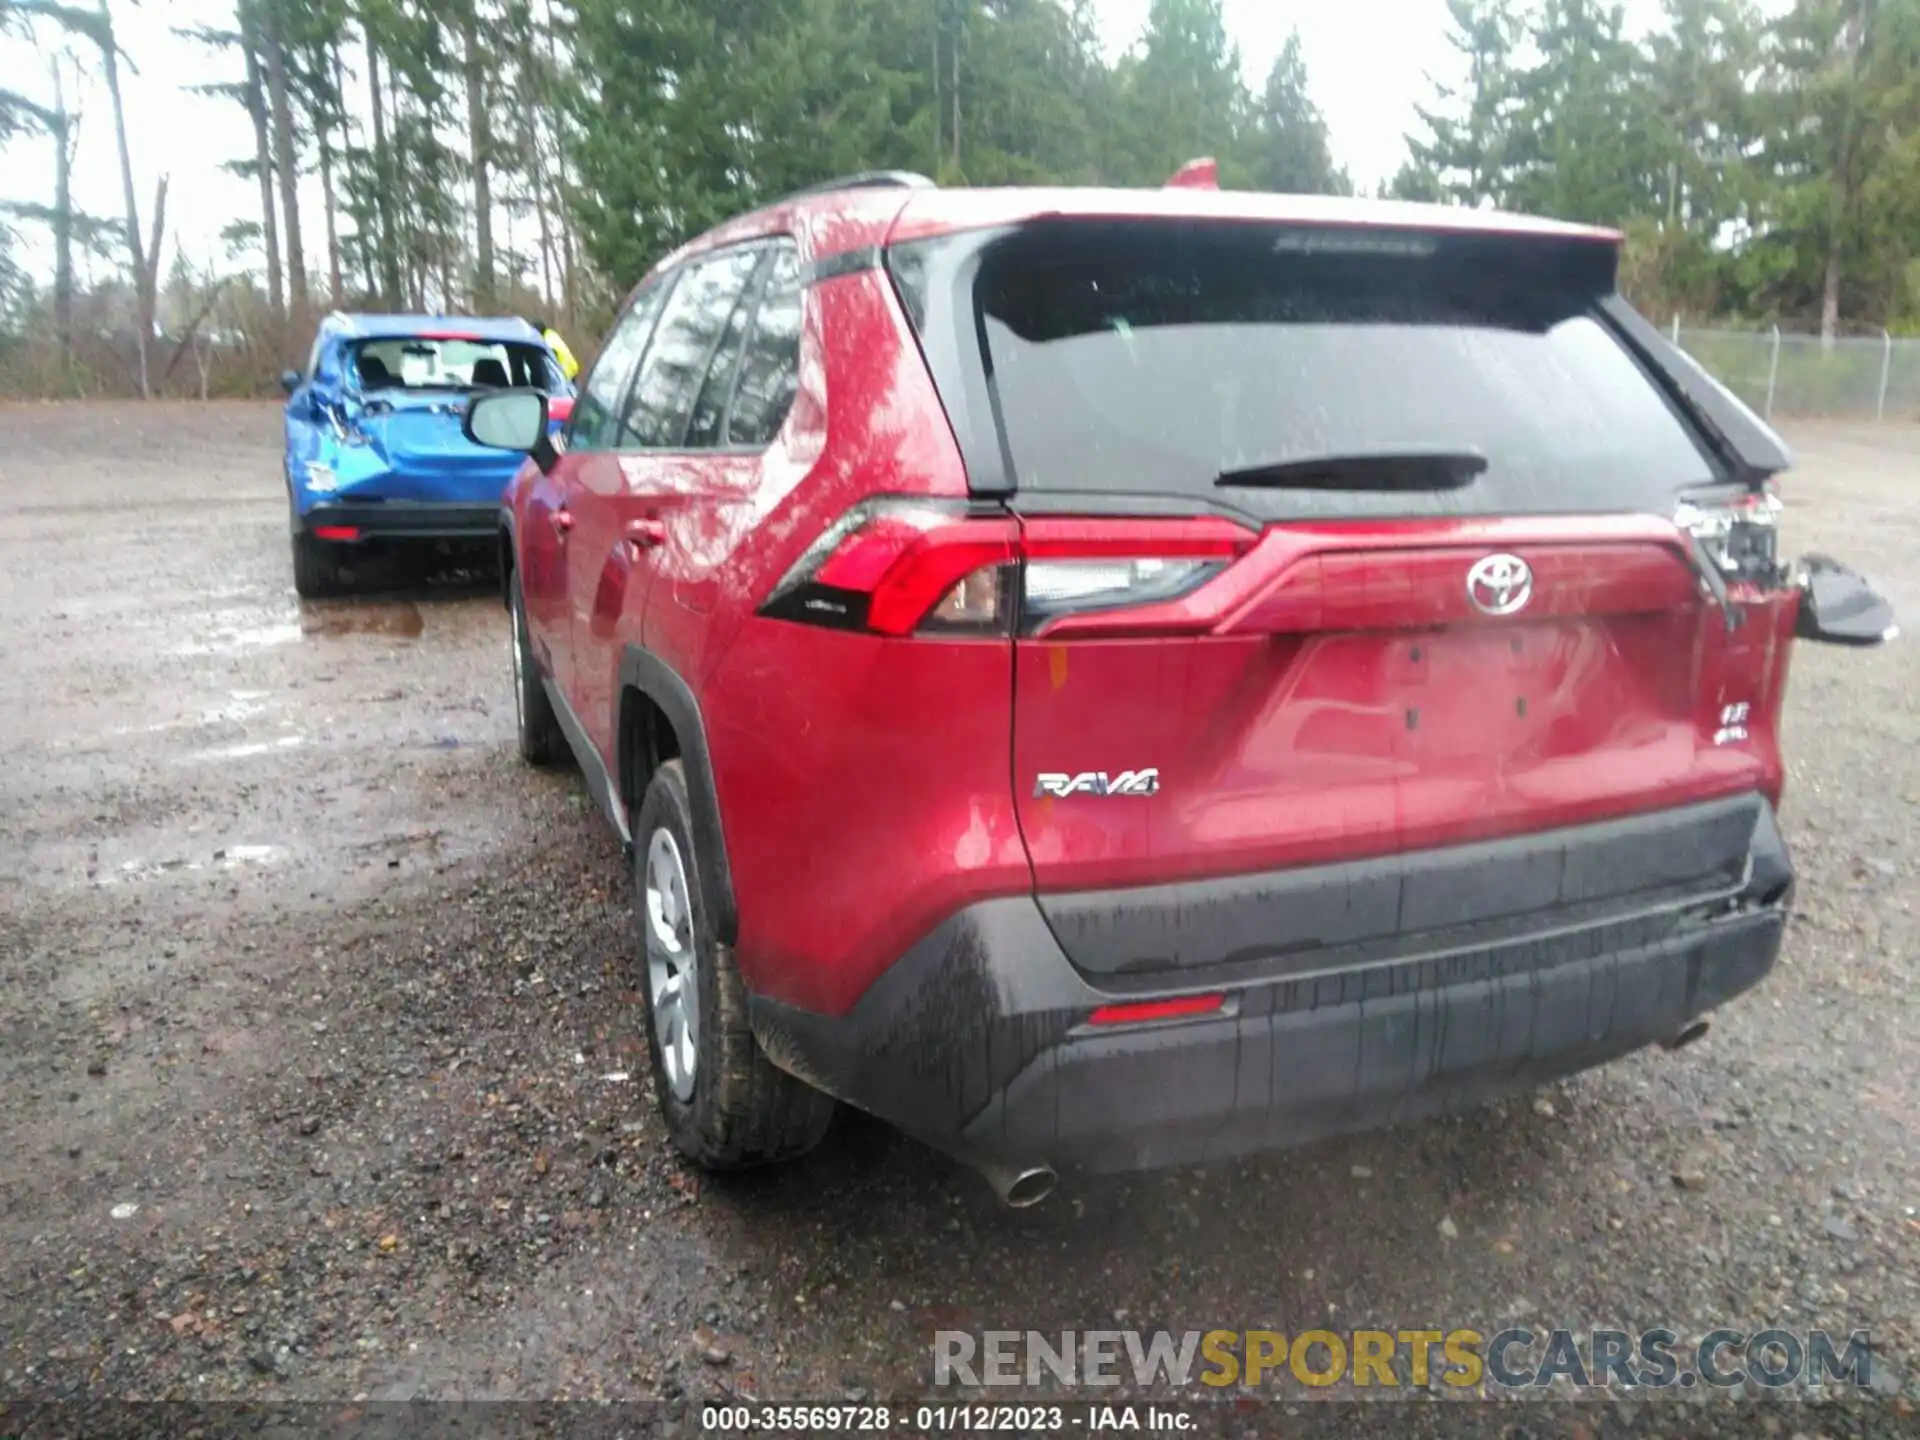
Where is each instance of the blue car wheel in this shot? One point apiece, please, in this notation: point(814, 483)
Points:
point(316, 563)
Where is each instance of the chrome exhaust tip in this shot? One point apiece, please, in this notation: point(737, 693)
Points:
point(1020, 1187)
point(1687, 1035)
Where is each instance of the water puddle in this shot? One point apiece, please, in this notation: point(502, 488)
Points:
point(245, 637)
point(235, 856)
point(230, 857)
point(241, 705)
point(402, 620)
point(249, 748)
point(399, 619)
point(145, 870)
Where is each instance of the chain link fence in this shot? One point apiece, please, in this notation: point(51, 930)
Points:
point(1786, 375)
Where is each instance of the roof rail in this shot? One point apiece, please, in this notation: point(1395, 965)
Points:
point(867, 180)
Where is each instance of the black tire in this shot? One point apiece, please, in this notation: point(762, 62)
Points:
point(316, 567)
point(542, 742)
point(743, 1110)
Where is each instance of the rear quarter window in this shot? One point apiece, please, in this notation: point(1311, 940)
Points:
point(770, 368)
point(660, 407)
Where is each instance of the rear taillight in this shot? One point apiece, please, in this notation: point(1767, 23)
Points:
point(902, 567)
point(1077, 567)
point(1740, 536)
point(896, 566)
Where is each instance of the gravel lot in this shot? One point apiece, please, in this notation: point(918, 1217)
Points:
point(321, 1073)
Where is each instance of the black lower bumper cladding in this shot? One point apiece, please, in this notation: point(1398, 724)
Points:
point(978, 1040)
point(408, 520)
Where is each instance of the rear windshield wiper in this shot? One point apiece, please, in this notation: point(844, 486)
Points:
point(1411, 467)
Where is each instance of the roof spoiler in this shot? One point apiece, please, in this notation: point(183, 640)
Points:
point(865, 180)
point(1746, 441)
point(1201, 174)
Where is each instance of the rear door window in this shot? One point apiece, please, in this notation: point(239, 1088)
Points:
point(1156, 359)
point(605, 387)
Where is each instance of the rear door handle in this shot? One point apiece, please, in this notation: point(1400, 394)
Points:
point(562, 520)
point(646, 534)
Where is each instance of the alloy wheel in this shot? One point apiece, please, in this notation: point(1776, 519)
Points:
point(519, 671)
point(672, 964)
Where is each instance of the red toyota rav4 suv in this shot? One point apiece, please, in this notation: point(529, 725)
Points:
point(1119, 678)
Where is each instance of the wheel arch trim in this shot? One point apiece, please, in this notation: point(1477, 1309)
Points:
point(509, 543)
point(646, 673)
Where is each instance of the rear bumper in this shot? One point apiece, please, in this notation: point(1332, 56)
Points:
point(978, 1041)
point(408, 520)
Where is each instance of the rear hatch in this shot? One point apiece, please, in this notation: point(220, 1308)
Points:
point(417, 437)
point(1338, 544)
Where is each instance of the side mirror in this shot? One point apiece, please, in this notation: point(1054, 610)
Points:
point(510, 420)
point(1839, 607)
point(289, 380)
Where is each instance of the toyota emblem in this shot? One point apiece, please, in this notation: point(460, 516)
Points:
point(1500, 584)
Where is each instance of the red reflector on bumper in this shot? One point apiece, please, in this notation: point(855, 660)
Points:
point(336, 532)
point(1141, 1011)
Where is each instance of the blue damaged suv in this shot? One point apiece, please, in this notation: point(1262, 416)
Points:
point(374, 450)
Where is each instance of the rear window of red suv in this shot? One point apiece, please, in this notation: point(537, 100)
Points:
point(1228, 360)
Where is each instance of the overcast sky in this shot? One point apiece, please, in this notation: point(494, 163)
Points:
point(1367, 60)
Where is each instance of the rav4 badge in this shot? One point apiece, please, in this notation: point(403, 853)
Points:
point(1096, 782)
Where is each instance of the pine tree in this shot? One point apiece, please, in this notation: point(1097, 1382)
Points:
point(1464, 156)
point(1183, 97)
point(1294, 151)
point(1578, 144)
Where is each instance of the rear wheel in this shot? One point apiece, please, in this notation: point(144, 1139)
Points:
point(725, 1104)
point(541, 742)
point(316, 567)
